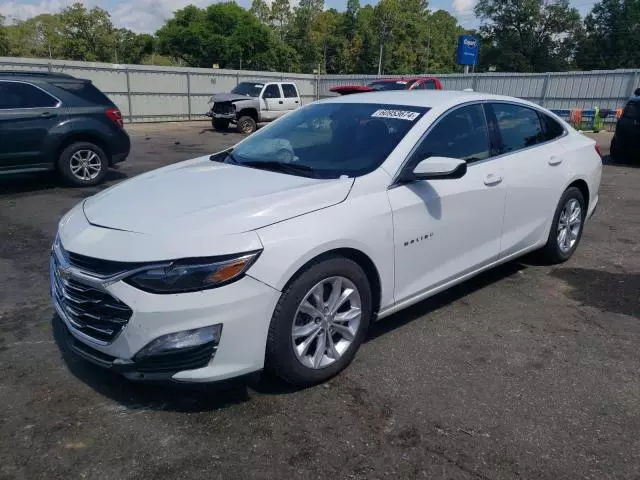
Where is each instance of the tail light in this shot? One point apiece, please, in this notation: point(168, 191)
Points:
point(598, 150)
point(115, 116)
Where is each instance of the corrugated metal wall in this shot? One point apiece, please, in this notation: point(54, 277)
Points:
point(149, 93)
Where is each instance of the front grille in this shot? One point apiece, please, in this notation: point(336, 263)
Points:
point(97, 266)
point(89, 310)
point(225, 108)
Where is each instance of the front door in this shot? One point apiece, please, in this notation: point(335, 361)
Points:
point(27, 113)
point(444, 229)
point(271, 103)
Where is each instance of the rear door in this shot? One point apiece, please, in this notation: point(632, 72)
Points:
point(291, 96)
point(271, 102)
point(27, 113)
point(532, 154)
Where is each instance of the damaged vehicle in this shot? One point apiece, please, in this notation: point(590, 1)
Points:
point(250, 103)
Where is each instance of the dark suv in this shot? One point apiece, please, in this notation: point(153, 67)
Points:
point(53, 121)
point(625, 145)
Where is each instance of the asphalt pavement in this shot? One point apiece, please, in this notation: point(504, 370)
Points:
point(528, 371)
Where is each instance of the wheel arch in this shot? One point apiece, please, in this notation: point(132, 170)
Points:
point(248, 111)
point(583, 186)
point(358, 256)
point(80, 137)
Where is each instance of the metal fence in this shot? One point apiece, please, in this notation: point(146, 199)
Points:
point(150, 93)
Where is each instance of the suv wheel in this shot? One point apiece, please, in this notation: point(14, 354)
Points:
point(83, 164)
point(319, 322)
point(247, 125)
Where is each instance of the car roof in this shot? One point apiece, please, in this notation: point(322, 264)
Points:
point(36, 76)
point(403, 79)
point(424, 98)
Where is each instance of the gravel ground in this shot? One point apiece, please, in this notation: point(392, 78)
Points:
point(527, 371)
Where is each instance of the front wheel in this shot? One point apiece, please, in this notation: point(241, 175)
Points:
point(566, 229)
point(319, 322)
point(83, 164)
point(246, 125)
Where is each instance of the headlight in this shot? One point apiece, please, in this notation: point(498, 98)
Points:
point(192, 275)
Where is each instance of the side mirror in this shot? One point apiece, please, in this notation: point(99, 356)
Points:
point(436, 168)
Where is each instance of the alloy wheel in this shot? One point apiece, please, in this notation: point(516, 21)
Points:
point(85, 164)
point(326, 322)
point(569, 225)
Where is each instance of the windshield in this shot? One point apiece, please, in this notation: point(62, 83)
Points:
point(249, 89)
point(328, 140)
point(387, 85)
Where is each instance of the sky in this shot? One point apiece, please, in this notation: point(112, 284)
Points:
point(148, 15)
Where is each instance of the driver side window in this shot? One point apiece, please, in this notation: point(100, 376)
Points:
point(272, 91)
point(461, 134)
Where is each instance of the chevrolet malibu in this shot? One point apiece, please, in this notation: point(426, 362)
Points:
point(278, 253)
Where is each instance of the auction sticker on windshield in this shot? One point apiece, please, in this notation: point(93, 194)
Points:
point(398, 114)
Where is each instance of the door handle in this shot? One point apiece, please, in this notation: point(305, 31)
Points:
point(297, 101)
point(492, 179)
point(47, 115)
point(555, 160)
point(280, 102)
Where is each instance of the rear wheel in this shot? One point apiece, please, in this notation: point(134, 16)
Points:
point(83, 164)
point(566, 230)
point(247, 125)
point(220, 124)
point(319, 322)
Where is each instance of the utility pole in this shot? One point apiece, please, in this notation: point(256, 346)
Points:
point(428, 51)
point(380, 59)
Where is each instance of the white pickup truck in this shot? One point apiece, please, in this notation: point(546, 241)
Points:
point(250, 103)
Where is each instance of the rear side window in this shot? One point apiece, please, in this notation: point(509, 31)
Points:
point(15, 95)
point(519, 126)
point(85, 91)
point(632, 110)
point(289, 90)
point(272, 91)
point(552, 129)
point(428, 85)
point(461, 134)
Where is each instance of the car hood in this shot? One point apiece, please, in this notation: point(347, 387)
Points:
point(229, 97)
point(201, 194)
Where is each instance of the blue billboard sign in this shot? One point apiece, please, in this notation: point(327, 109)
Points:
point(468, 50)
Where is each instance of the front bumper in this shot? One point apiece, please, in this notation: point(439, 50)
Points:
point(244, 309)
point(221, 116)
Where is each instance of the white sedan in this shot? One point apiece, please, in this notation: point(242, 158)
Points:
point(279, 252)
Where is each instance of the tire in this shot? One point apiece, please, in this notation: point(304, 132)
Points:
point(614, 152)
point(220, 124)
point(74, 154)
point(282, 360)
point(556, 251)
point(246, 125)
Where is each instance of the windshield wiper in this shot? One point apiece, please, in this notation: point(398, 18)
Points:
point(292, 168)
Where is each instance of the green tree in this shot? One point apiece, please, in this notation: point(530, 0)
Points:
point(387, 18)
point(280, 17)
point(87, 34)
point(612, 37)
point(440, 43)
point(261, 10)
point(4, 38)
point(223, 34)
point(36, 37)
point(528, 35)
point(130, 47)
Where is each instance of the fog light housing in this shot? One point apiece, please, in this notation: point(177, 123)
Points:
point(181, 341)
